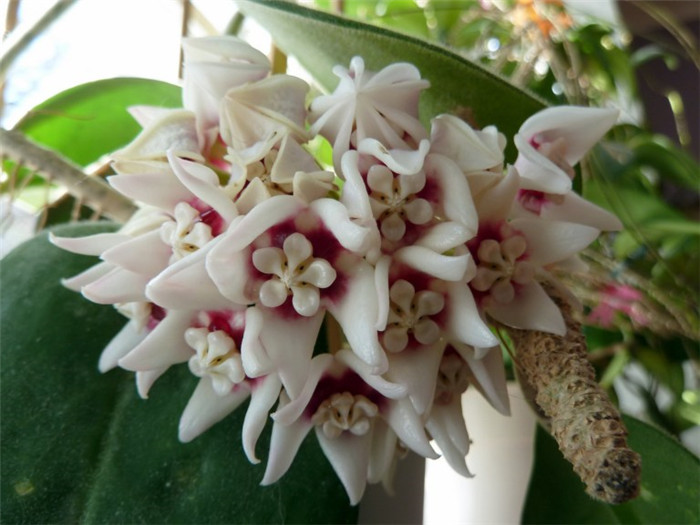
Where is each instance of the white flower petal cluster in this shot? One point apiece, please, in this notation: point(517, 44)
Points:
point(243, 247)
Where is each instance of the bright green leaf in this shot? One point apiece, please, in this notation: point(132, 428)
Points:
point(90, 120)
point(670, 488)
point(455, 82)
point(81, 447)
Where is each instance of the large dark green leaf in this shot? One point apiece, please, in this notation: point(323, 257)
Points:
point(80, 447)
point(670, 489)
point(90, 120)
point(320, 41)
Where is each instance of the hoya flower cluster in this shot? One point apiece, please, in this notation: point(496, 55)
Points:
point(416, 240)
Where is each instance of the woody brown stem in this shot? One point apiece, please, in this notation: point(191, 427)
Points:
point(578, 412)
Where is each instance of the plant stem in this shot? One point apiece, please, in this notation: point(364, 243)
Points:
point(94, 191)
point(561, 382)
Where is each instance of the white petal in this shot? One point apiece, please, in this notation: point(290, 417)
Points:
point(532, 309)
point(381, 284)
point(444, 236)
point(120, 345)
point(356, 312)
point(313, 185)
point(291, 159)
point(405, 421)
point(354, 195)
point(284, 445)
point(473, 150)
point(456, 195)
point(494, 202)
point(447, 267)
point(255, 360)
point(289, 343)
point(386, 388)
point(552, 241)
point(239, 286)
point(335, 217)
point(264, 111)
point(417, 370)
point(206, 407)
point(292, 410)
point(446, 426)
point(265, 215)
point(580, 127)
point(88, 276)
point(405, 162)
point(489, 375)
point(254, 193)
point(203, 183)
point(579, 210)
point(146, 379)
point(464, 322)
point(165, 345)
point(383, 451)
point(90, 245)
point(117, 286)
point(349, 456)
point(263, 396)
point(140, 187)
point(145, 254)
point(175, 129)
point(187, 285)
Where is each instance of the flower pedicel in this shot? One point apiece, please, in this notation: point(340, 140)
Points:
point(416, 245)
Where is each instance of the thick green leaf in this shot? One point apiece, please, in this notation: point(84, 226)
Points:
point(320, 41)
point(670, 489)
point(90, 120)
point(80, 447)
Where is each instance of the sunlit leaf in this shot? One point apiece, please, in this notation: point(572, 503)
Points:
point(90, 120)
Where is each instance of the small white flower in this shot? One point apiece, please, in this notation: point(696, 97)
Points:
point(295, 272)
point(555, 139)
point(381, 105)
point(216, 357)
point(472, 150)
point(212, 66)
point(410, 315)
point(344, 402)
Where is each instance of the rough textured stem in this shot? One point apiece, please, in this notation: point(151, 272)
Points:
point(92, 190)
point(580, 416)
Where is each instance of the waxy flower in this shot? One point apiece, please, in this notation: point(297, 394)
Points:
point(212, 66)
point(295, 261)
point(243, 247)
point(512, 255)
point(549, 144)
point(381, 105)
point(343, 401)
